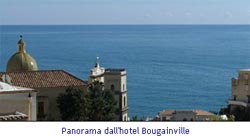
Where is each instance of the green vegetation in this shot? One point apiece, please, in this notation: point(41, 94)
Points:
point(102, 103)
point(95, 105)
point(219, 118)
point(73, 105)
point(136, 118)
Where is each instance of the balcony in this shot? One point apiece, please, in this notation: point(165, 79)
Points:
point(240, 103)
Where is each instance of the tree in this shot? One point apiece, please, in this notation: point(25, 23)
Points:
point(137, 118)
point(95, 105)
point(73, 105)
point(231, 118)
point(103, 104)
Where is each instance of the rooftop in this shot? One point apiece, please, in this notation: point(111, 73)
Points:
point(7, 88)
point(43, 79)
point(202, 112)
point(114, 70)
point(244, 70)
point(15, 116)
point(197, 112)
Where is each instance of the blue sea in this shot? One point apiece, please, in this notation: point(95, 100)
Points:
point(168, 66)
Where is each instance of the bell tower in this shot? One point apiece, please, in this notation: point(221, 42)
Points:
point(116, 81)
point(96, 74)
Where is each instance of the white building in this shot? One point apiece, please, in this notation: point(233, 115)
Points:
point(116, 81)
point(17, 103)
point(97, 73)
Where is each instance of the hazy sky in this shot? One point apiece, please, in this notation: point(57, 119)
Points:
point(124, 11)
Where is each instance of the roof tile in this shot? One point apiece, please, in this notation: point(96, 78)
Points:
point(43, 79)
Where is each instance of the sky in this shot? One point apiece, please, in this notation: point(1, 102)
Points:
point(45, 12)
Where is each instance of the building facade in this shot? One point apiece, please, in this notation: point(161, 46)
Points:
point(17, 103)
point(240, 95)
point(116, 81)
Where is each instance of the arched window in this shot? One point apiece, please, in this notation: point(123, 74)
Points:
point(235, 96)
point(125, 118)
point(112, 87)
point(124, 101)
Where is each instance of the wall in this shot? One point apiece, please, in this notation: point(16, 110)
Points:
point(19, 102)
point(240, 86)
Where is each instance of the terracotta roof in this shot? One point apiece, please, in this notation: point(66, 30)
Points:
point(202, 112)
point(167, 112)
point(197, 112)
point(15, 116)
point(43, 79)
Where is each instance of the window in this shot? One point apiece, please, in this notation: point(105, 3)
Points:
point(123, 86)
point(125, 118)
point(112, 87)
point(40, 108)
point(246, 81)
point(234, 97)
point(124, 101)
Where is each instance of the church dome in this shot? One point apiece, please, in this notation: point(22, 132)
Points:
point(21, 60)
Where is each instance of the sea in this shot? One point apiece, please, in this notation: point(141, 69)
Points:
point(168, 66)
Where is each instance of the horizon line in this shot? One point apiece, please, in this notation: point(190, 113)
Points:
point(110, 24)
